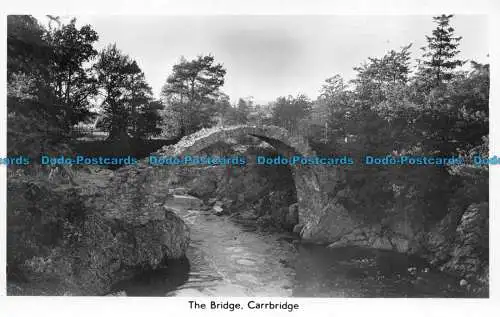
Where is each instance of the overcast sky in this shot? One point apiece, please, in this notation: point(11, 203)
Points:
point(271, 56)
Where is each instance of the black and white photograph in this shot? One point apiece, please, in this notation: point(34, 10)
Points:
point(210, 157)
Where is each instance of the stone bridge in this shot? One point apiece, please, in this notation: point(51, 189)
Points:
point(133, 199)
point(313, 182)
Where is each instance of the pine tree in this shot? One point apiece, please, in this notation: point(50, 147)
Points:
point(441, 51)
point(191, 91)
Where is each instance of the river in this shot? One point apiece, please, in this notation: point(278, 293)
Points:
point(229, 258)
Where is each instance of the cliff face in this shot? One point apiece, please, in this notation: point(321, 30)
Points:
point(66, 240)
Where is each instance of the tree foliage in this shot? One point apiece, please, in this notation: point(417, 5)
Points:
point(127, 97)
point(192, 90)
point(35, 117)
point(288, 111)
point(439, 59)
point(440, 110)
point(72, 80)
point(54, 81)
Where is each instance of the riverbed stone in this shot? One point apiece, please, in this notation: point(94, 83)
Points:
point(188, 201)
point(218, 210)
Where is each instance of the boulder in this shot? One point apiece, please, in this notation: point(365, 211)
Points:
point(187, 201)
point(331, 224)
point(218, 210)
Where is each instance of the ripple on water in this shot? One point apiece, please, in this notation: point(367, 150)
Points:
point(231, 290)
point(245, 262)
point(247, 278)
point(235, 249)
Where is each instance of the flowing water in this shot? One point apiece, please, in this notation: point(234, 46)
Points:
point(227, 258)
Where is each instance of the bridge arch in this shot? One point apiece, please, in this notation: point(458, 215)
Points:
point(279, 138)
point(320, 217)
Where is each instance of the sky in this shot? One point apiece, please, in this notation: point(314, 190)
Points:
point(271, 56)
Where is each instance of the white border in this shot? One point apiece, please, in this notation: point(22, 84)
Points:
point(98, 306)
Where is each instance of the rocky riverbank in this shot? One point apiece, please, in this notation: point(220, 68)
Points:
point(80, 240)
point(456, 243)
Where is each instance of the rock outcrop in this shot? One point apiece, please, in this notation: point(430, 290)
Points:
point(81, 240)
point(468, 252)
point(462, 249)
